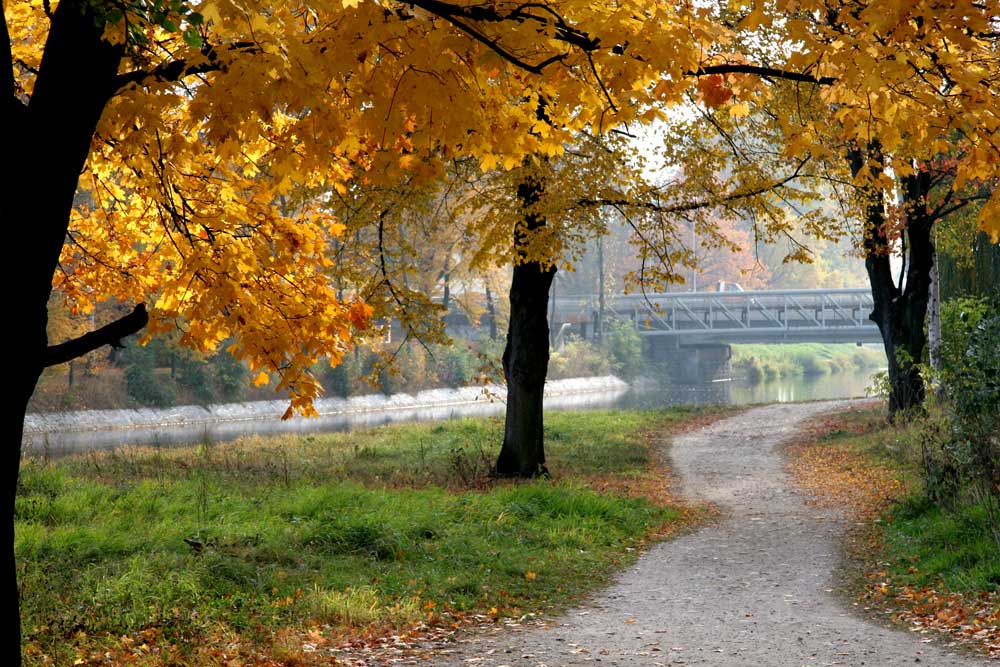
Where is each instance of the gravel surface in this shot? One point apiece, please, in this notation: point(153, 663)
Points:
point(754, 588)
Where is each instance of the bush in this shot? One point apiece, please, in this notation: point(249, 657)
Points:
point(143, 386)
point(141, 381)
point(230, 376)
point(412, 367)
point(193, 374)
point(456, 364)
point(337, 379)
point(577, 358)
point(970, 374)
point(625, 346)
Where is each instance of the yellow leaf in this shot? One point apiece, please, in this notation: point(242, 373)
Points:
point(258, 23)
point(261, 379)
point(755, 19)
point(739, 110)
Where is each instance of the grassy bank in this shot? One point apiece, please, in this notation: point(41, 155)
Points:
point(768, 362)
point(237, 551)
point(927, 566)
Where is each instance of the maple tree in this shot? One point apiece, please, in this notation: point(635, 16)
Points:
point(892, 90)
point(735, 263)
point(940, 89)
point(172, 137)
point(936, 104)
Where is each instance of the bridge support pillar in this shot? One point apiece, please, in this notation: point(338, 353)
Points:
point(690, 364)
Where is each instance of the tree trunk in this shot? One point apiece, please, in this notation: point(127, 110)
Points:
point(46, 143)
point(526, 357)
point(20, 385)
point(934, 324)
point(599, 325)
point(900, 310)
point(491, 312)
point(446, 274)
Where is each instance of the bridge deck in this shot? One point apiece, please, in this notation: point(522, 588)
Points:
point(828, 315)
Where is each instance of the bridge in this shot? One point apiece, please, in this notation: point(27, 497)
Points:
point(698, 318)
point(688, 333)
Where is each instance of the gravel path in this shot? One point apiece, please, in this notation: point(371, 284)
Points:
point(753, 589)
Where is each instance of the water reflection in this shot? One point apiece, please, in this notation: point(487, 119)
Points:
point(741, 392)
point(60, 433)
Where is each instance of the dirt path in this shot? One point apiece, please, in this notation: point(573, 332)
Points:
point(754, 589)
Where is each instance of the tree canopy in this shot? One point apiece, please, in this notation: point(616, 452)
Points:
point(210, 118)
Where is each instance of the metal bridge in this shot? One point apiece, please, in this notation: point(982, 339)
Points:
point(763, 316)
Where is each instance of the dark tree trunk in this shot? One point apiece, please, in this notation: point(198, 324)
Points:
point(46, 144)
point(491, 312)
point(900, 310)
point(526, 357)
point(20, 385)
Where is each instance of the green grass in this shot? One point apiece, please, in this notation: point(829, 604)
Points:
point(924, 545)
point(767, 362)
point(377, 527)
point(929, 546)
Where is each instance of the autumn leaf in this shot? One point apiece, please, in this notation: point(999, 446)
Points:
point(713, 91)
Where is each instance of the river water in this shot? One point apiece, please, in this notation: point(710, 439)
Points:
point(59, 433)
point(741, 392)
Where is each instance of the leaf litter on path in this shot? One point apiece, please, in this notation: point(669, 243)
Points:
point(852, 482)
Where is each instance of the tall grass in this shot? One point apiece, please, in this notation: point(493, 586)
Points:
point(771, 361)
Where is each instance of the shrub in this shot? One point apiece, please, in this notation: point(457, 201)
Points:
point(577, 358)
point(230, 376)
point(456, 364)
point(625, 346)
point(143, 386)
point(194, 374)
point(969, 458)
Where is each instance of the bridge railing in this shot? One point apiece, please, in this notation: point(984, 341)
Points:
point(686, 313)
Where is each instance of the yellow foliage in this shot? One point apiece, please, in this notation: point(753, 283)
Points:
point(207, 188)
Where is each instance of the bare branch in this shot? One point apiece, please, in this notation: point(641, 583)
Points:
point(695, 205)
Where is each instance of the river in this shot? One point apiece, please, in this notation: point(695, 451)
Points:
point(60, 433)
point(852, 384)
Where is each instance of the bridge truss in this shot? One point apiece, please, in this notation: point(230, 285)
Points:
point(824, 315)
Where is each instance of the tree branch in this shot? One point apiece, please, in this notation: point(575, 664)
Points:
point(111, 334)
point(175, 70)
point(765, 72)
point(487, 13)
point(695, 205)
point(461, 16)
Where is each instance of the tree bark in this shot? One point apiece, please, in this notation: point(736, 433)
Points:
point(934, 325)
point(20, 385)
point(900, 310)
point(46, 142)
point(526, 357)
